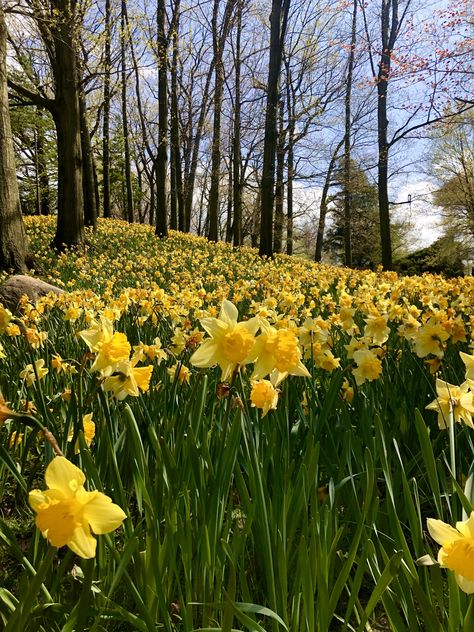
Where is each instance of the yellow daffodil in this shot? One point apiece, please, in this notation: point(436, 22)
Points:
point(430, 338)
point(453, 403)
point(469, 364)
point(369, 366)
point(326, 360)
point(409, 328)
point(111, 348)
point(457, 549)
point(5, 318)
point(230, 342)
point(347, 391)
point(264, 396)
point(184, 373)
point(15, 439)
point(29, 373)
point(276, 353)
point(128, 380)
point(376, 329)
point(89, 431)
point(153, 352)
point(35, 338)
point(66, 513)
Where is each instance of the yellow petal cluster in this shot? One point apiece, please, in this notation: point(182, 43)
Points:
point(457, 549)
point(67, 514)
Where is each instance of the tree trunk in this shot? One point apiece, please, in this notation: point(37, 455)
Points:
point(290, 168)
point(44, 206)
point(66, 114)
point(278, 22)
point(218, 43)
point(236, 154)
point(126, 141)
point(279, 184)
point(323, 208)
point(191, 174)
point(162, 152)
point(347, 144)
point(177, 200)
point(230, 202)
point(389, 32)
point(88, 180)
point(106, 121)
point(13, 241)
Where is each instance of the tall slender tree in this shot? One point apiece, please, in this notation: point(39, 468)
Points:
point(162, 151)
point(106, 117)
point(124, 32)
point(219, 36)
point(278, 24)
point(13, 240)
point(236, 148)
point(347, 142)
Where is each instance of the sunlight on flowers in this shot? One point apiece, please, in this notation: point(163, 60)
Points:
point(66, 513)
point(457, 549)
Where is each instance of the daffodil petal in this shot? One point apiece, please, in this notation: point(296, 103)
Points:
point(466, 585)
point(229, 313)
point(213, 327)
point(62, 475)
point(205, 356)
point(466, 527)
point(36, 498)
point(82, 542)
point(252, 325)
point(102, 514)
point(441, 532)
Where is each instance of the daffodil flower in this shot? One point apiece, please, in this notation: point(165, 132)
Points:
point(264, 396)
point(457, 549)
point(66, 513)
point(230, 342)
point(453, 402)
point(111, 348)
point(277, 354)
point(128, 379)
point(369, 366)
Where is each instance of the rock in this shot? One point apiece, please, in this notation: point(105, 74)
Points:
point(18, 285)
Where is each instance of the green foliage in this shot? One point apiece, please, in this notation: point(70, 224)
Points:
point(444, 256)
point(310, 518)
point(365, 222)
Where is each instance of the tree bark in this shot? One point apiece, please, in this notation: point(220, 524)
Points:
point(230, 203)
point(323, 208)
point(88, 179)
point(106, 120)
point(389, 33)
point(218, 43)
point(162, 152)
point(237, 152)
point(66, 115)
point(129, 211)
point(191, 174)
point(278, 22)
point(177, 200)
point(13, 240)
point(44, 206)
point(279, 183)
point(347, 144)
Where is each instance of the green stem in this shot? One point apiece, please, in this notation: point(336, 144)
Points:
point(19, 617)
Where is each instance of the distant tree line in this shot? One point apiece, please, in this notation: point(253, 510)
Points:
point(211, 117)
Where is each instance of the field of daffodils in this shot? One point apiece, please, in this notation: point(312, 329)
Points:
point(193, 438)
